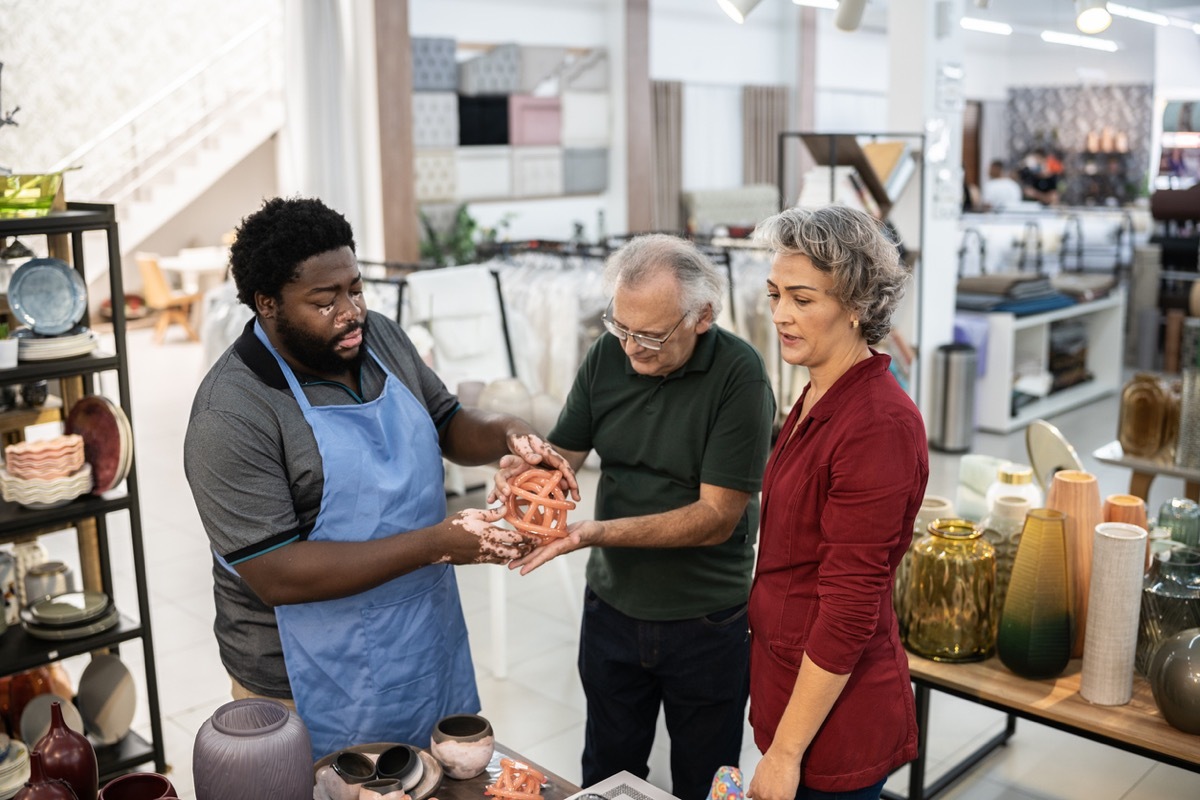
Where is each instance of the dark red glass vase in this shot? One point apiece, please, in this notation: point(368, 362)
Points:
point(40, 786)
point(69, 756)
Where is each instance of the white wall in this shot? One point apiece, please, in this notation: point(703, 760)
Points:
point(852, 78)
point(694, 41)
point(712, 136)
point(991, 69)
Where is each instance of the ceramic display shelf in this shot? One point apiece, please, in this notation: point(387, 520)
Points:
point(63, 232)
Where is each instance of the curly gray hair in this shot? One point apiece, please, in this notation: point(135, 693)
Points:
point(701, 283)
point(853, 248)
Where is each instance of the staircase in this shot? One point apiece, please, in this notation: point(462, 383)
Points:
point(162, 155)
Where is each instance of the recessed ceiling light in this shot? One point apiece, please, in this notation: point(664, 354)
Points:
point(1090, 42)
point(986, 26)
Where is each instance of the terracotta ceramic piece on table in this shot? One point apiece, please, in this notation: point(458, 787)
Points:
point(538, 506)
point(138, 786)
point(41, 786)
point(253, 748)
point(463, 744)
point(517, 781)
point(1129, 509)
point(1034, 637)
point(69, 756)
point(1077, 495)
point(1174, 676)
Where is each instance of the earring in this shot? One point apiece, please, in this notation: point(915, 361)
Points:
point(854, 324)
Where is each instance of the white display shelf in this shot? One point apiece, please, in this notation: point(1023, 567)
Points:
point(1012, 339)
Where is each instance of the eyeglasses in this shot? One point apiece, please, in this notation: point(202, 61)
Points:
point(640, 339)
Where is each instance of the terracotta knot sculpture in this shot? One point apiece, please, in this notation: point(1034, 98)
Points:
point(538, 506)
point(517, 781)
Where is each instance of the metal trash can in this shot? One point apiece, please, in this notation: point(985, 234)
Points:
point(952, 428)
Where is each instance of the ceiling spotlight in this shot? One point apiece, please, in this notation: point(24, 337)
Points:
point(849, 14)
point(738, 10)
point(1091, 16)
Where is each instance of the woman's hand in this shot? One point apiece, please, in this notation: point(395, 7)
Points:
point(471, 537)
point(776, 778)
point(581, 534)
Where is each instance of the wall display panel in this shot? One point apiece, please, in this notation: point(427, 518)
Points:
point(585, 119)
point(483, 172)
point(434, 66)
point(534, 120)
point(482, 120)
point(436, 175)
point(435, 120)
point(497, 71)
point(537, 171)
point(540, 65)
point(585, 171)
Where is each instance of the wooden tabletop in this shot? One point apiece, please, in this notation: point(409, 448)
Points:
point(472, 789)
point(1057, 700)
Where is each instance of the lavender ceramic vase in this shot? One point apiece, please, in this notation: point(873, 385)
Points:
point(463, 745)
point(251, 749)
point(42, 787)
point(69, 756)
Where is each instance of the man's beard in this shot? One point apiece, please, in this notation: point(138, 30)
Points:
point(320, 356)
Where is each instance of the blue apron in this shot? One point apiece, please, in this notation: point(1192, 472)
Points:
point(386, 664)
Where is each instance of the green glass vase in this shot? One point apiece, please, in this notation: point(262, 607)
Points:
point(1034, 639)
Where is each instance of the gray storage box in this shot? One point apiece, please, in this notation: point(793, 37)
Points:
point(585, 171)
point(497, 71)
point(434, 66)
point(435, 120)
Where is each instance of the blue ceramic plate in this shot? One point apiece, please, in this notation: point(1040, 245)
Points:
point(47, 295)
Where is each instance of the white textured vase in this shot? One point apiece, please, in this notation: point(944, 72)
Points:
point(1114, 602)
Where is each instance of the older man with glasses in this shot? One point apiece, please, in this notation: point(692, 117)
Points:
point(680, 413)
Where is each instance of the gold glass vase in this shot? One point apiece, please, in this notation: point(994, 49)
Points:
point(932, 507)
point(951, 596)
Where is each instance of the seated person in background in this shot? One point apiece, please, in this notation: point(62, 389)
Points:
point(1000, 191)
point(1037, 181)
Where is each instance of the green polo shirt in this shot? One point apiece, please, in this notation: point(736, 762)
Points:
point(658, 439)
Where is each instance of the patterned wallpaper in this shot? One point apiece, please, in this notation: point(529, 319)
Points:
point(1060, 118)
point(75, 66)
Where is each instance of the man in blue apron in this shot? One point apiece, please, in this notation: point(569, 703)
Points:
point(314, 453)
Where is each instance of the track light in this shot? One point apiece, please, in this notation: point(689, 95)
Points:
point(1092, 43)
point(850, 14)
point(738, 10)
point(1091, 16)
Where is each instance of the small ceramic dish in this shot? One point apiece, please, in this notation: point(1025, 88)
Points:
point(68, 610)
point(431, 777)
point(102, 624)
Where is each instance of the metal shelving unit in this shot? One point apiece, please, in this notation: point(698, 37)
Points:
point(18, 650)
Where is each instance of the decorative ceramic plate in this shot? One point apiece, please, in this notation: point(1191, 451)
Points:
point(16, 771)
point(107, 699)
point(66, 610)
point(35, 719)
point(431, 777)
point(59, 634)
point(1049, 452)
point(104, 429)
point(47, 295)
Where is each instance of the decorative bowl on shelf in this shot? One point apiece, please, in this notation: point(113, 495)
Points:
point(29, 195)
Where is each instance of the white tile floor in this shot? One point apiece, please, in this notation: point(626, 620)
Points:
point(539, 708)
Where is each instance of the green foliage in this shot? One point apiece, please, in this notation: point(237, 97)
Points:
point(455, 246)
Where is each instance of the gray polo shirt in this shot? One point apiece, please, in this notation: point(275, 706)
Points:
point(255, 473)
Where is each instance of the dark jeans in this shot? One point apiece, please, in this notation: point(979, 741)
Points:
point(869, 793)
point(697, 669)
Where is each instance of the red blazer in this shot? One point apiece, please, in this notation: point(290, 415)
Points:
point(838, 503)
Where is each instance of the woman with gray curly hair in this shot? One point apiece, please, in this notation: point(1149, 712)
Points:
point(830, 699)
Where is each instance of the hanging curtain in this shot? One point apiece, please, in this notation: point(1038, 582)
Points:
point(667, 154)
point(764, 116)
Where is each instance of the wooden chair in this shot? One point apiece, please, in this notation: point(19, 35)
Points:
point(172, 306)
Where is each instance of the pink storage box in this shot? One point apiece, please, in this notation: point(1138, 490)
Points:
point(534, 121)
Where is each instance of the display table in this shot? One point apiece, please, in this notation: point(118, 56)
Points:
point(1136, 727)
point(555, 788)
point(1146, 469)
